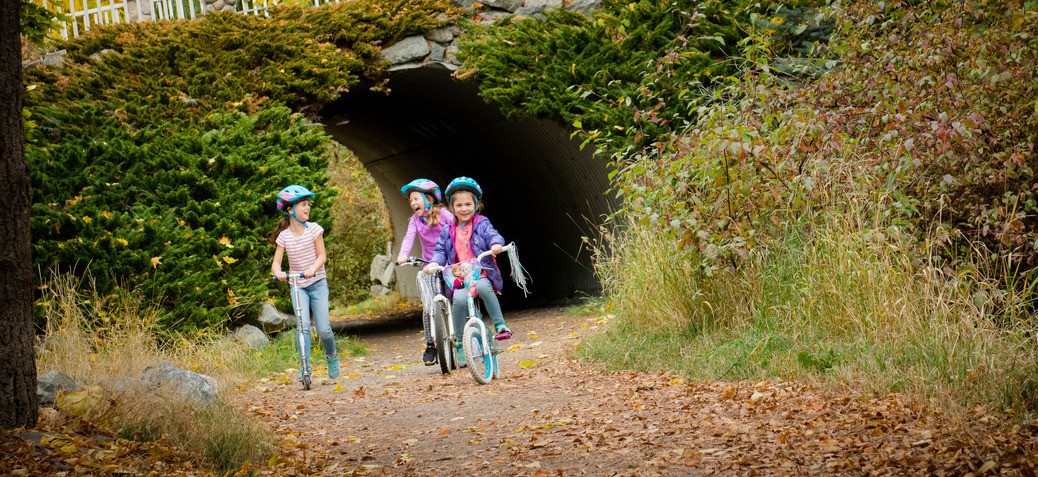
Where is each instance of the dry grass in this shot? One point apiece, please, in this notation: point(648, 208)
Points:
point(107, 342)
point(852, 303)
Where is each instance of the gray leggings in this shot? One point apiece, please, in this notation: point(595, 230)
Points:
point(459, 310)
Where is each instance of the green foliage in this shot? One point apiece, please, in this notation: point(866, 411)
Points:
point(182, 213)
point(950, 120)
point(158, 147)
point(36, 22)
point(630, 75)
point(362, 227)
point(937, 128)
point(820, 361)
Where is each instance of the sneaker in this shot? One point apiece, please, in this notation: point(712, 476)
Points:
point(460, 356)
point(503, 333)
point(333, 367)
point(429, 358)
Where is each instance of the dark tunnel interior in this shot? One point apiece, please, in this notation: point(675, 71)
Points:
point(540, 190)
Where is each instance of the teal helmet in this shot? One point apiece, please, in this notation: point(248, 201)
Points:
point(289, 196)
point(466, 184)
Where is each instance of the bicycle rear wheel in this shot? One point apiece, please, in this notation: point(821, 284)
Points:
point(444, 352)
point(479, 358)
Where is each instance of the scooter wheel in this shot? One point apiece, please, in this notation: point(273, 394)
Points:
point(306, 383)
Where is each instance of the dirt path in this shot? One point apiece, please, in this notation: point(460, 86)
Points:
point(553, 415)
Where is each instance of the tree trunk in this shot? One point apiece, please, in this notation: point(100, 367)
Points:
point(18, 405)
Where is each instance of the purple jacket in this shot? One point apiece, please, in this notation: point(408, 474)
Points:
point(427, 235)
point(484, 235)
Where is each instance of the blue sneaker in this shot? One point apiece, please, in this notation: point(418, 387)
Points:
point(503, 333)
point(333, 367)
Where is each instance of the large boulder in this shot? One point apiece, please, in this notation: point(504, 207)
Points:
point(273, 321)
point(378, 266)
point(190, 384)
point(410, 49)
point(252, 336)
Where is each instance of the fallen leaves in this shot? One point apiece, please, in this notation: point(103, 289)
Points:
point(551, 415)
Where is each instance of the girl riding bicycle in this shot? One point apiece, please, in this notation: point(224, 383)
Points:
point(468, 235)
point(303, 243)
point(424, 197)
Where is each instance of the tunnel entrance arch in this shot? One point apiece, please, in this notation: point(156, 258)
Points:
point(541, 191)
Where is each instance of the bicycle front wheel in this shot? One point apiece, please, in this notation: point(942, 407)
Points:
point(444, 353)
point(479, 358)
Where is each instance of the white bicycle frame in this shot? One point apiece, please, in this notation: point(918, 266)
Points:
point(488, 344)
point(438, 299)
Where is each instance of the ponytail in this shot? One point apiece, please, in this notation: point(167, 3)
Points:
point(282, 225)
point(432, 219)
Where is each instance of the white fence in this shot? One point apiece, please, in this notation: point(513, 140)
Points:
point(79, 16)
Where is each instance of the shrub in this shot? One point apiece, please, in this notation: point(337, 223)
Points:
point(156, 150)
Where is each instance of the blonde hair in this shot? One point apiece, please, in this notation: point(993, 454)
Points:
point(432, 219)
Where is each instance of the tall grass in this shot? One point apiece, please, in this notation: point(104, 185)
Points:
point(850, 303)
point(109, 341)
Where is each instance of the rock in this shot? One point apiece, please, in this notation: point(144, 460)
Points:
point(441, 35)
point(378, 266)
point(190, 384)
point(506, 5)
point(437, 52)
point(273, 321)
point(48, 385)
point(379, 290)
point(252, 336)
point(55, 58)
point(388, 277)
point(412, 48)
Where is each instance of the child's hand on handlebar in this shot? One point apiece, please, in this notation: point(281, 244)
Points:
point(280, 276)
point(495, 249)
point(430, 268)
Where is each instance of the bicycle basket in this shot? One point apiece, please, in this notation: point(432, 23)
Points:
point(462, 274)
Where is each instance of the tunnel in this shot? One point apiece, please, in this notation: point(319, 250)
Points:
point(540, 190)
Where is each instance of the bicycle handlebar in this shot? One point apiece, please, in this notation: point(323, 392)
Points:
point(415, 261)
point(480, 257)
point(290, 275)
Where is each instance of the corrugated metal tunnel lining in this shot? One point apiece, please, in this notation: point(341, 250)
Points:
point(540, 190)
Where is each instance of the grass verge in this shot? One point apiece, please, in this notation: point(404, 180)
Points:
point(107, 342)
point(844, 306)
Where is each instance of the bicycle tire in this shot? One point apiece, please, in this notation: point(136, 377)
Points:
point(480, 360)
point(495, 349)
point(444, 354)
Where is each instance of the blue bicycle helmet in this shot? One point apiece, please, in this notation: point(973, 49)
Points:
point(288, 197)
point(464, 183)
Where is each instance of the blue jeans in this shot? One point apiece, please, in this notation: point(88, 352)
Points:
point(315, 297)
point(460, 308)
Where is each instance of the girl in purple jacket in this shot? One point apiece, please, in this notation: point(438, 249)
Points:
point(464, 238)
point(429, 217)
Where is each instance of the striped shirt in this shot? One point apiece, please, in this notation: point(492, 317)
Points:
point(302, 251)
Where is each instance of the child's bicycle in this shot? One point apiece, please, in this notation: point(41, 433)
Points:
point(305, 371)
point(441, 327)
point(479, 348)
